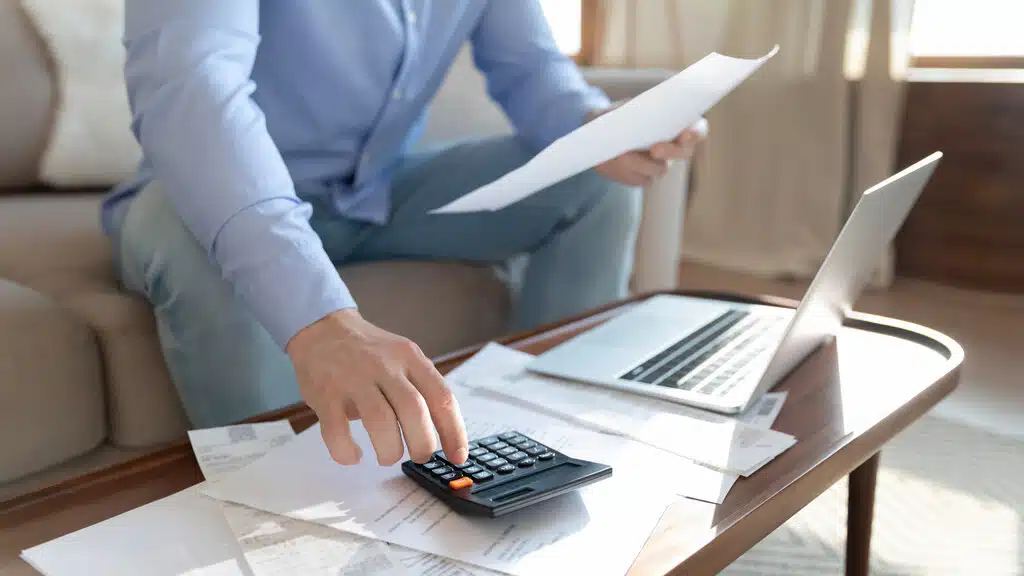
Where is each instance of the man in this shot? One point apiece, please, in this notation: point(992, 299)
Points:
point(276, 140)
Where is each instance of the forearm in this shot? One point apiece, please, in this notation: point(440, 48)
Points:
point(207, 142)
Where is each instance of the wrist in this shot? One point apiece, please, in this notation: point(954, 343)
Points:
point(345, 320)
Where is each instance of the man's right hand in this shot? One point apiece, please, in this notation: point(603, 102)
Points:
point(349, 369)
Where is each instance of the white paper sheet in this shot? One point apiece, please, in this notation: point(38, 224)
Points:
point(722, 443)
point(185, 533)
point(277, 545)
point(657, 115)
point(690, 479)
point(300, 480)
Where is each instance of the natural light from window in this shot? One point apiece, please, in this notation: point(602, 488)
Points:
point(566, 21)
point(968, 28)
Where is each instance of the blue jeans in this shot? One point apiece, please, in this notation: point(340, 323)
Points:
point(579, 236)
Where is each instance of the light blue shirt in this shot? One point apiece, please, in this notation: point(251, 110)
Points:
point(245, 107)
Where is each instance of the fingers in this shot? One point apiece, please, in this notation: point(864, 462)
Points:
point(413, 416)
point(444, 409)
point(351, 412)
point(338, 438)
point(380, 423)
point(640, 168)
point(679, 149)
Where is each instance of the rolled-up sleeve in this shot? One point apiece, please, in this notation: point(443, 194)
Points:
point(541, 89)
point(188, 74)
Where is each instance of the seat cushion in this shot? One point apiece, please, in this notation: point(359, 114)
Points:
point(52, 243)
point(51, 384)
point(441, 306)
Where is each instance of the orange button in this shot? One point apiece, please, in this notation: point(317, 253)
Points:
point(460, 483)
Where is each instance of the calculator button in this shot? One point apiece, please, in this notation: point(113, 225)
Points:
point(516, 456)
point(496, 463)
point(432, 464)
point(471, 469)
point(467, 464)
point(441, 471)
point(488, 441)
point(449, 476)
point(516, 439)
point(508, 435)
point(525, 444)
point(460, 483)
point(536, 450)
point(473, 445)
point(477, 452)
point(498, 446)
point(486, 457)
point(526, 463)
point(506, 469)
point(506, 450)
point(483, 476)
point(545, 456)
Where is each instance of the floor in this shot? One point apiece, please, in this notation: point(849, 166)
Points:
point(950, 499)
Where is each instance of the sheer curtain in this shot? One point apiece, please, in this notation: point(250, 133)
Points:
point(794, 146)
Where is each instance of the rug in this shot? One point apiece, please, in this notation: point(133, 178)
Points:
point(950, 501)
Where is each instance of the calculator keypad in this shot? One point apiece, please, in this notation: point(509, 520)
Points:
point(504, 455)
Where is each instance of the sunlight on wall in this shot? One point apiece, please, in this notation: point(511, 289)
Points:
point(565, 18)
point(968, 28)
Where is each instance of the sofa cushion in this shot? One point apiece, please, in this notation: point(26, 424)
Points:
point(142, 404)
point(51, 384)
point(53, 243)
point(441, 306)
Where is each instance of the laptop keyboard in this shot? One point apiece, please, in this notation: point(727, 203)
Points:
point(712, 359)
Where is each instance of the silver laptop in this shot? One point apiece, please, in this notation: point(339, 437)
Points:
point(723, 356)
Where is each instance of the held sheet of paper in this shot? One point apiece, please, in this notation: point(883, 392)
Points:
point(657, 115)
point(299, 480)
point(724, 444)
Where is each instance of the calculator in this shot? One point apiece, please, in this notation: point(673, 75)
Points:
point(504, 473)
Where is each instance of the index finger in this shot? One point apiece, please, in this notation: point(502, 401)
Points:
point(443, 407)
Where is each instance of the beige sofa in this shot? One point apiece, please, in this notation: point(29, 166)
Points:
point(82, 380)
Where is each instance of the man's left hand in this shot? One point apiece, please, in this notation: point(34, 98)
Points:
point(641, 167)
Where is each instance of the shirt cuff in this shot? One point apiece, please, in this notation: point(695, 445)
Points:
point(289, 294)
point(279, 269)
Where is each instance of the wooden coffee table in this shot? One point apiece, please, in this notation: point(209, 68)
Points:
point(845, 402)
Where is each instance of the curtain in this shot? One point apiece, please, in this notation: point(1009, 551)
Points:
point(793, 147)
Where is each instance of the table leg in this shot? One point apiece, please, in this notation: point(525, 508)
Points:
point(861, 508)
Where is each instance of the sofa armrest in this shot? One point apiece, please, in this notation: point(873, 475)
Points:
point(462, 109)
point(658, 249)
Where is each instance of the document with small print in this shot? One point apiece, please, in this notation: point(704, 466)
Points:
point(722, 443)
point(299, 480)
point(276, 545)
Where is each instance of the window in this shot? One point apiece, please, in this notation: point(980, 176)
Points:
point(968, 33)
point(566, 20)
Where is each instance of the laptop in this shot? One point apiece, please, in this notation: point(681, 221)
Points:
point(722, 356)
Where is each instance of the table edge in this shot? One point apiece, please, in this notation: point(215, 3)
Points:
point(301, 416)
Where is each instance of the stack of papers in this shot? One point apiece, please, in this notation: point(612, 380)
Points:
point(725, 444)
point(276, 503)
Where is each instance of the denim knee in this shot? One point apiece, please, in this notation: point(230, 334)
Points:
point(618, 206)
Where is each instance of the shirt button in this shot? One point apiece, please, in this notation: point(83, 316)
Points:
point(411, 17)
point(396, 94)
